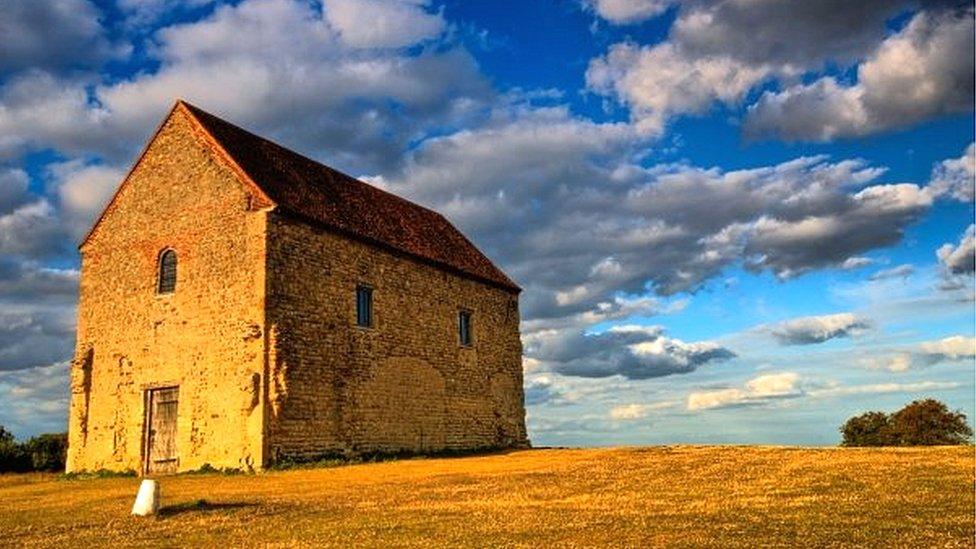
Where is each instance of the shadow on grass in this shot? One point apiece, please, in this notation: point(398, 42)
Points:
point(200, 506)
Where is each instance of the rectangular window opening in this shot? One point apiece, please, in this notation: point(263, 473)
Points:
point(464, 328)
point(364, 306)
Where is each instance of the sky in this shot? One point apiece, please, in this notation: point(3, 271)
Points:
point(736, 221)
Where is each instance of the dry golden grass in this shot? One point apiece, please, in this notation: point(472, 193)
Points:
point(636, 497)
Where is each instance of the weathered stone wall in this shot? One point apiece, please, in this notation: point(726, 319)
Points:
point(406, 384)
point(207, 337)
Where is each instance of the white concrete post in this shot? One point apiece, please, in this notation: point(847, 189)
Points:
point(147, 500)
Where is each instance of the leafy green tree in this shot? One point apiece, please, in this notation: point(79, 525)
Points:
point(13, 459)
point(929, 423)
point(47, 452)
point(922, 423)
point(868, 429)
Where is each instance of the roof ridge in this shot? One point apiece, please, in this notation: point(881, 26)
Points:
point(353, 179)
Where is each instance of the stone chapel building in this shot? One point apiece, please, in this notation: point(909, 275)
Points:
point(242, 304)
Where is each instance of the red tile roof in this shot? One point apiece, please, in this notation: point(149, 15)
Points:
point(325, 196)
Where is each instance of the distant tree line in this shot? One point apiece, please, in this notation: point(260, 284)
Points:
point(41, 453)
point(922, 423)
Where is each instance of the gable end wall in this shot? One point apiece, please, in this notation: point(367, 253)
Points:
point(207, 337)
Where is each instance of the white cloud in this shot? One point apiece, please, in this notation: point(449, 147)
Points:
point(767, 389)
point(621, 12)
point(283, 69)
point(922, 72)
point(759, 390)
point(955, 177)
point(564, 206)
point(31, 230)
point(145, 12)
point(718, 52)
point(852, 263)
point(883, 388)
point(633, 352)
point(951, 349)
point(83, 191)
point(13, 189)
point(660, 82)
point(961, 258)
point(638, 411)
point(817, 329)
point(35, 400)
point(383, 23)
point(901, 271)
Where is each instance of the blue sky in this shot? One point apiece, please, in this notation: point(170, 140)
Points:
point(735, 222)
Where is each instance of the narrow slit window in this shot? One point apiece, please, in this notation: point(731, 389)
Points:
point(464, 328)
point(167, 273)
point(364, 306)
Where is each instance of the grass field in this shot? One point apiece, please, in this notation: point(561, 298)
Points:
point(675, 496)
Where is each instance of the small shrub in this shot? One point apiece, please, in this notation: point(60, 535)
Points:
point(100, 473)
point(207, 469)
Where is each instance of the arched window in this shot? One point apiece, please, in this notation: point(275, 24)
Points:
point(167, 272)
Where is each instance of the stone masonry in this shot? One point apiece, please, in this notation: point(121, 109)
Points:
point(260, 334)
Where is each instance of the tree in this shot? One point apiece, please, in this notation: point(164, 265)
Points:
point(868, 429)
point(922, 423)
point(41, 453)
point(47, 452)
point(13, 459)
point(929, 423)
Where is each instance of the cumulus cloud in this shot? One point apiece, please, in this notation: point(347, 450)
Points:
point(660, 82)
point(759, 390)
point(959, 259)
point(83, 191)
point(540, 389)
point(638, 411)
point(27, 282)
point(53, 34)
point(770, 388)
point(621, 12)
point(31, 337)
point(35, 401)
point(29, 224)
point(563, 204)
point(383, 23)
point(633, 352)
point(956, 177)
point(790, 35)
point(817, 329)
point(32, 230)
point(951, 349)
point(921, 72)
point(272, 59)
point(718, 52)
point(140, 13)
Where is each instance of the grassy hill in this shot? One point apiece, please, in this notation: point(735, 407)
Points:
point(675, 496)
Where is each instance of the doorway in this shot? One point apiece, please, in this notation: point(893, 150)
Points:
point(162, 407)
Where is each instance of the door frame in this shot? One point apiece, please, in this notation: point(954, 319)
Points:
point(147, 391)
